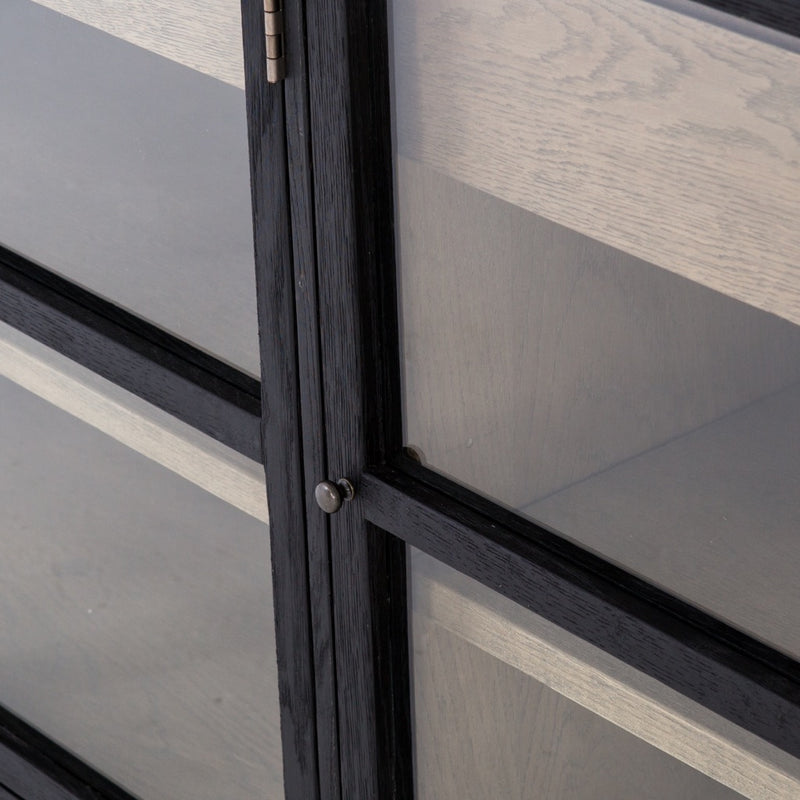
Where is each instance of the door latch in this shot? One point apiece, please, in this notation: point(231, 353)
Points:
point(274, 30)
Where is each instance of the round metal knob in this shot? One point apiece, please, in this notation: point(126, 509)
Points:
point(329, 495)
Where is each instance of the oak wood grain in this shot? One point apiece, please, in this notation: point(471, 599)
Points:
point(282, 422)
point(347, 73)
point(534, 356)
point(205, 35)
point(467, 639)
point(128, 174)
point(749, 684)
point(485, 730)
point(130, 420)
point(670, 137)
point(137, 627)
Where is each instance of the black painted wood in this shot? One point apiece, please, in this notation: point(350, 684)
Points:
point(780, 15)
point(301, 204)
point(35, 768)
point(349, 103)
point(171, 374)
point(725, 670)
point(32, 782)
point(523, 527)
point(281, 423)
point(595, 601)
point(742, 679)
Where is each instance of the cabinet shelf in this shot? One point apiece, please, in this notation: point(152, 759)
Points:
point(601, 684)
point(711, 516)
point(125, 171)
point(138, 623)
point(136, 423)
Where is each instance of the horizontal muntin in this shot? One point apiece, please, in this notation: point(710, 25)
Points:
point(128, 351)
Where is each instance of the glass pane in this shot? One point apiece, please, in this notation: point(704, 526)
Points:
point(497, 714)
point(598, 248)
point(137, 626)
point(123, 151)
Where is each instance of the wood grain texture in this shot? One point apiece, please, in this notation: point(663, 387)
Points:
point(281, 422)
point(668, 137)
point(127, 174)
point(744, 682)
point(129, 352)
point(711, 516)
point(141, 426)
point(443, 600)
point(350, 145)
point(534, 356)
point(137, 627)
point(486, 730)
point(301, 200)
point(205, 35)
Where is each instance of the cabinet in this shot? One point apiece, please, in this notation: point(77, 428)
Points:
point(524, 276)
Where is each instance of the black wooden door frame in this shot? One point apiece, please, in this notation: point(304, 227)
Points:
point(166, 371)
point(330, 399)
point(338, 140)
point(213, 397)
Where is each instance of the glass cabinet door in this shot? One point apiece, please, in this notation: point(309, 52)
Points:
point(599, 298)
point(123, 151)
point(505, 705)
point(598, 257)
point(137, 627)
point(594, 228)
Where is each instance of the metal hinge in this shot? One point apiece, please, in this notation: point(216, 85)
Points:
point(273, 27)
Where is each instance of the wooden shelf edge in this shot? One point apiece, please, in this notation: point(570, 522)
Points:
point(604, 685)
point(135, 423)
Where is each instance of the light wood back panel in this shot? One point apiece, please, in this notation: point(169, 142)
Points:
point(534, 356)
point(137, 624)
point(671, 138)
point(205, 35)
point(509, 705)
point(712, 516)
point(136, 423)
point(128, 174)
point(486, 730)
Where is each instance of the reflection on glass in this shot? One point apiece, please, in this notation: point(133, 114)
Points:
point(485, 726)
point(597, 242)
point(137, 613)
point(123, 155)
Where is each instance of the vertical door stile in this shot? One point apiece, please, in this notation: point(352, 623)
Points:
point(349, 120)
point(281, 421)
